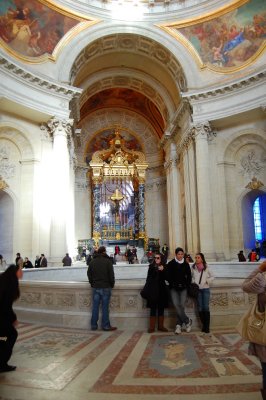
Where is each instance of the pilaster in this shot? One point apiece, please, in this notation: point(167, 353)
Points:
point(203, 133)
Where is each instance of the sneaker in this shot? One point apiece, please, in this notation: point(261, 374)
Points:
point(189, 325)
point(177, 329)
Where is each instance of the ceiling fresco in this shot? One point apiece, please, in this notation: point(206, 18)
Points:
point(33, 29)
point(227, 39)
point(126, 99)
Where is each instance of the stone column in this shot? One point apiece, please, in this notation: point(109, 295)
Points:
point(96, 210)
point(61, 130)
point(136, 208)
point(173, 198)
point(202, 134)
point(141, 204)
point(192, 234)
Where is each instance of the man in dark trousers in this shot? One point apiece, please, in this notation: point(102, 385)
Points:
point(102, 279)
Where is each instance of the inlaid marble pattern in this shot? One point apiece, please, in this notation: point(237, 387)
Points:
point(61, 363)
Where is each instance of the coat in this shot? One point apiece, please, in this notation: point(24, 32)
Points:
point(207, 277)
point(256, 283)
point(156, 279)
point(101, 272)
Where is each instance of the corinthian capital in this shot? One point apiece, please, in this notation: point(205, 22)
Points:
point(57, 126)
point(203, 128)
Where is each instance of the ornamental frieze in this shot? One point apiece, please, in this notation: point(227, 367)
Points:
point(65, 300)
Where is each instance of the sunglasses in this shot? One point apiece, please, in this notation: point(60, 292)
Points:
point(157, 258)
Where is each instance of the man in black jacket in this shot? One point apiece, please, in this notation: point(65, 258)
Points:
point(179, 278)
point(101, 277)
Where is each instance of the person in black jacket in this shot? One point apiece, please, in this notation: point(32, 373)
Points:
point(179, 278)
point(101, 277)
point(9, 292)
point(157, 299)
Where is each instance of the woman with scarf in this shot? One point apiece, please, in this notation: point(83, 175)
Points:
point(202, 276)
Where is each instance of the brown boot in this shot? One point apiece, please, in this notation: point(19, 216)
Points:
point(152, 324)
point(161, 328)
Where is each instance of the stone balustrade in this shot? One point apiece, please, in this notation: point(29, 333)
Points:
point(68, 303)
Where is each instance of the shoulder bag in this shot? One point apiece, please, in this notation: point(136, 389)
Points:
point(193, 289)
point(252, 326)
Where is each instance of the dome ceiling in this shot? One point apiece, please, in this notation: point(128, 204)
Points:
point(129, 72)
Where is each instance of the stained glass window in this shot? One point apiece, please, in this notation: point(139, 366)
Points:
point(257, 212)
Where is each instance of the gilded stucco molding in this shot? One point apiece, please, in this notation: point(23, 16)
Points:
point(33, 80)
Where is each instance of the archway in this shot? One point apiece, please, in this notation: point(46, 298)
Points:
point(249, 236)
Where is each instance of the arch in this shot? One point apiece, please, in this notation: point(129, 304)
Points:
point(128, 121)
point(12, 132)
point(247, 204)
point(181, 60)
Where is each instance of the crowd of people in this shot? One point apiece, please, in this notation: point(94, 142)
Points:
point(167, 282)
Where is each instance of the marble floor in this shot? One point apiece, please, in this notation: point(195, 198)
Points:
point(67, 364)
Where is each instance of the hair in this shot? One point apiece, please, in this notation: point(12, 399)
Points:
point(203, 260)
point(9, 282)
point(162, 258)
point(178, 249)
point(101, 250)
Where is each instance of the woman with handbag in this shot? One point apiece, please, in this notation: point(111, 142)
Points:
point(202, 276)
point(256, 283)
point(156, 293)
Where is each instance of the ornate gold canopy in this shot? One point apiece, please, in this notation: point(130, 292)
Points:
point(118, 162)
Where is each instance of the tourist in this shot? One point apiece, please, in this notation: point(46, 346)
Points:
point(130, 256)
point(67, 261)
point(27, 263)
point(179, 278)
point(158, 299)
point(257, 249)
point(165, 252)
point(188, 258)
point(19, 260)
point(37, 262)
point(9, 292)
point(43, 261)
point(252, 256)
point(241, 257)
point(256, 283)
point(101, 277)
point(202, 276)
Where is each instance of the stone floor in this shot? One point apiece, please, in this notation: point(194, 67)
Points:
point(67, 364)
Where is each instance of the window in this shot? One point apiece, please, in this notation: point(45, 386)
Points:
point(257, 212)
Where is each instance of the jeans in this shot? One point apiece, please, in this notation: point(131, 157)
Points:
point(100, 296)
point(204, 299)
point(179, 299)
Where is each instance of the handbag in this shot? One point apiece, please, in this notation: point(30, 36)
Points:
point(150, 290)
point(193, 289)
point(252, 326)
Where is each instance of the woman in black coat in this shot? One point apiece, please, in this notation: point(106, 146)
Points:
point(9, 292)
point(157, 298)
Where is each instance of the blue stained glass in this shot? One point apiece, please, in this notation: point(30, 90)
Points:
point(257, 219)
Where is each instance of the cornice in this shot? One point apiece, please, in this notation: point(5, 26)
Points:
point(19, 73)
point(250, 81)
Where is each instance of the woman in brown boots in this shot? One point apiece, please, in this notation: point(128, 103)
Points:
point(157, 297)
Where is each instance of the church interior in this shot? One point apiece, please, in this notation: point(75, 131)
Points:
point(131, 123)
